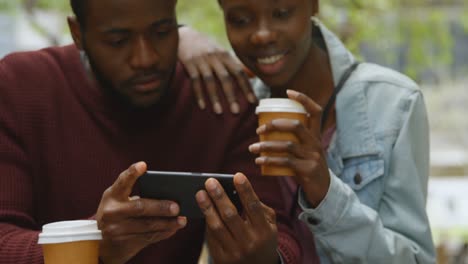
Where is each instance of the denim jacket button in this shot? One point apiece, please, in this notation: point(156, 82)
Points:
point(357, 178)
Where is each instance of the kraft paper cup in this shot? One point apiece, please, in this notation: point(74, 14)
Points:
point(71, 242)
point(276, 108)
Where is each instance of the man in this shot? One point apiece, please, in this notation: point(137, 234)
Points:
point(66, 133)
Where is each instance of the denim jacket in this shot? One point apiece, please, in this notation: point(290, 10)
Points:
point(374, 211)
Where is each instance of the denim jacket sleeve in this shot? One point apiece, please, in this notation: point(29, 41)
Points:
point(393, 228)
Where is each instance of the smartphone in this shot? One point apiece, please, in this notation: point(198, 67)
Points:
point(181, 187)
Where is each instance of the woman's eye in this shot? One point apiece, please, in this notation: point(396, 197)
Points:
point(239, 20)
point(282, 13)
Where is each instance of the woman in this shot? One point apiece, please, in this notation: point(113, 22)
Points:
point(362, 161)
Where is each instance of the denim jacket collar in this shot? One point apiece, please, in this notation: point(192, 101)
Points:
point(355, 137)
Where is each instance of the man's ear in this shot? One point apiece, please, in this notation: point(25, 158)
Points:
point(75, 30)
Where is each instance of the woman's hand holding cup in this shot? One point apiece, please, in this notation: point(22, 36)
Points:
point(301, 153)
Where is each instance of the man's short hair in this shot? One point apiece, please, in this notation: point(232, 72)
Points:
point(79, 7)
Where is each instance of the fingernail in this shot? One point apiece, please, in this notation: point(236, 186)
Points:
point(201, 196)
point(254, 147)
point(260, 160)
point(139, 166)
point(211, 185)
point(213, 188)
point(261, 129)
point(182, 221)
point(217, 108)
point(174, 209)
point(252, 99)
point(240, 178)
point(133, 198)
point(292, 93)
point(201, 104)
point(235, 108)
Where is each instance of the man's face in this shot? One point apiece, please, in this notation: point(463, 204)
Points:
point(271, 37)
point(132, 47)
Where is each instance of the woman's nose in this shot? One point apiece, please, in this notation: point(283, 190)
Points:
point(264, 35)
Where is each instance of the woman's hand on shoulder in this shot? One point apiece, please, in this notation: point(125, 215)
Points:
point(207, 63)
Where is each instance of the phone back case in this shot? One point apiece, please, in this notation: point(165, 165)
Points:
point(181, 187)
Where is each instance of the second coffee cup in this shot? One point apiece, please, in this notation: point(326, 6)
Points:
point(279, 108)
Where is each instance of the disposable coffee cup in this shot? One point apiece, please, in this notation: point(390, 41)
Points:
point(71, 242)
point(279, 108)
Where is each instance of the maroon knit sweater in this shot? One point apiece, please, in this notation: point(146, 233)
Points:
point(62, 143)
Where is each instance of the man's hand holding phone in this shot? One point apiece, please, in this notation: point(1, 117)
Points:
point(232, 238)
point(129, 224)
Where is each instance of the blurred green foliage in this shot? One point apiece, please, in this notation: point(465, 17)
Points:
point(7, 5)
point(204, 15)
point(423, 27)
point(62, 5)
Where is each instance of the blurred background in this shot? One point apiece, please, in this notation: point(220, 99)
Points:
point(425, 39)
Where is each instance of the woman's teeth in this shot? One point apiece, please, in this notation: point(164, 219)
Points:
point(270, 60)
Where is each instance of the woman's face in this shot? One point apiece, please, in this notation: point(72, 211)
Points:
point(271, 37)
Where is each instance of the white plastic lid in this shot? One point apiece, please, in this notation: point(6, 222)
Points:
point(280, 105)
point(69, 231)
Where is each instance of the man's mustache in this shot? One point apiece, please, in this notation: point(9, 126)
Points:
point(146, 77)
